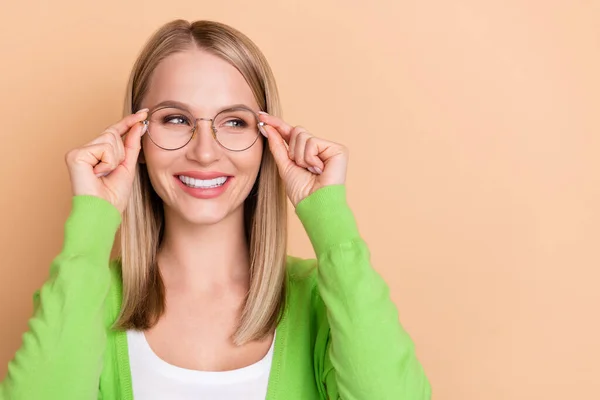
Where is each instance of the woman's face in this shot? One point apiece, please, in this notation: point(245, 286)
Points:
point(203, 84)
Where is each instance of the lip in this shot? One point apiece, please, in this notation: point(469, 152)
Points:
point(201, 193)
point(202, 175)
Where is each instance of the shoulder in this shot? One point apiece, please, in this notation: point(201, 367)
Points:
point(115, 293)
point(302, 275)
point(116, 277)
point(302, 283)
point(304, 305)
point(301, 270)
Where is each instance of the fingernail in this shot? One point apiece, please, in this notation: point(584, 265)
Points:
point(311, 169)
point(263, 113)
point(262, 129)
point(143, 110)
point(318, 170)
point(101, 174)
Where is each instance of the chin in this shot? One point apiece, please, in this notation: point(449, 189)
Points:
point(205, 214)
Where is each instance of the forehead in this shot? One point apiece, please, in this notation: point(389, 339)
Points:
point(201, 80)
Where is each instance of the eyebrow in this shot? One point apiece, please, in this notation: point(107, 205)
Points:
point(183, 106)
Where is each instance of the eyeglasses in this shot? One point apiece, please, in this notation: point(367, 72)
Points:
point(171, 128)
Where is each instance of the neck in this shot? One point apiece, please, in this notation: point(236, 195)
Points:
point(204, 258)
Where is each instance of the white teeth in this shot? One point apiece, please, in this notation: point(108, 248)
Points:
point(203, 183)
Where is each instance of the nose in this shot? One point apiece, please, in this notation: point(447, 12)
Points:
point(204, 147)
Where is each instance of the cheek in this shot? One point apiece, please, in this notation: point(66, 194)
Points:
point(151, 158)
point(248, 164)
point(157, 158)
point(156, 161)
point(255, 157)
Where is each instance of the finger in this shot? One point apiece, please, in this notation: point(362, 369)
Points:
point(299, 149)
point(101, 157)
point(111, 137)
point(117, 141)
point(277, 147)
point(108, 161)
point(133, 145)
point(282, 127)
point(119, 129)
point(311, 155)
point(329, 154)
point(124, 125)
point(293, 138)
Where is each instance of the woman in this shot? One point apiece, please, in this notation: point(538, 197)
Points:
point(203, 302)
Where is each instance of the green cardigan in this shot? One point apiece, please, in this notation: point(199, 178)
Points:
point(339, 337)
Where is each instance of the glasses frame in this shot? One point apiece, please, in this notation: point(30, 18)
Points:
point(213, 129)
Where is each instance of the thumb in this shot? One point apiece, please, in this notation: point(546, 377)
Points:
point(277, 147)
point(133, 144)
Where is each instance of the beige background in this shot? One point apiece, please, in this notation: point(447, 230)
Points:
point(473, 128)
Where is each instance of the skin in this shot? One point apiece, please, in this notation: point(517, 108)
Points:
point(203, 259)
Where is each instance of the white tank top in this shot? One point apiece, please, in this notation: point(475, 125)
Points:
point(155, 379)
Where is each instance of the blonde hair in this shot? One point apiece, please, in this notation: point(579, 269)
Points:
point(264, 209)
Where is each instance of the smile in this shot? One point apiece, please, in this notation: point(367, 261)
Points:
point(203, 183)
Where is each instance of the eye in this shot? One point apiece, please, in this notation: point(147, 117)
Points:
point(175, 120)
point(236, 123)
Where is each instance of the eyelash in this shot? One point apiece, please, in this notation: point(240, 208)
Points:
point(184, 120)
point(172, 117)
point(242, 123)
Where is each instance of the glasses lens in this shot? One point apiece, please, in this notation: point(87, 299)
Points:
point(170, 128)
point(236, 128)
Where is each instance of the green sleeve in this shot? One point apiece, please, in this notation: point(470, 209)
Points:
point(368, 353)
point(61, 353)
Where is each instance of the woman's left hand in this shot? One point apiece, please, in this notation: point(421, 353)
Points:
point(306, 163)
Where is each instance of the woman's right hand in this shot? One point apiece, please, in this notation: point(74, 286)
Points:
point(105, 167)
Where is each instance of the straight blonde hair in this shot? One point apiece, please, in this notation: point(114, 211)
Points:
point(265, 213)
